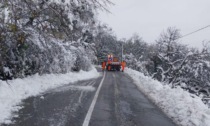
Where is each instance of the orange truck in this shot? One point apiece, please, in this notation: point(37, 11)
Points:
point(113, 64)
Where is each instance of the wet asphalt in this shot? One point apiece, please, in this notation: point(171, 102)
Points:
point(119, 103)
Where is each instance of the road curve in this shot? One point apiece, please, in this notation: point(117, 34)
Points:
point(118, 103)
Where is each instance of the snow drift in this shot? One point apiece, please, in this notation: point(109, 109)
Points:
point(19, 89)
point(184, 108)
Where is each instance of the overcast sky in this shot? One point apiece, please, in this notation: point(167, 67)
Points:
point(148, 18)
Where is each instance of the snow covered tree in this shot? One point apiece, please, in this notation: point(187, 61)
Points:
point(138, 47)
point(106, 43)
point(168, 55)
point(42, 36)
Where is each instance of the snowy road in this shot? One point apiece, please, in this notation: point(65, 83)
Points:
point(118, 103)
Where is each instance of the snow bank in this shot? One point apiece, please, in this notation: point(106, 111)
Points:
point(11, 96)
point(184, 108)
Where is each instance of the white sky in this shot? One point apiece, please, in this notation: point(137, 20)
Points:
point(149, 18)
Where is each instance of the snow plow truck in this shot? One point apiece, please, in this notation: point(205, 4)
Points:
point(113, 64)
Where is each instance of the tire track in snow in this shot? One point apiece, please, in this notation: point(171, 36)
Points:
point(84, 92)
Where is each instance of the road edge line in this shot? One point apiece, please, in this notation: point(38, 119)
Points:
point(90, 110)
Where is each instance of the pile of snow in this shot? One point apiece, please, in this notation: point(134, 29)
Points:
point(184, 108)
point(19, 89)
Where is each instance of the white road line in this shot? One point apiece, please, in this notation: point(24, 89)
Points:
point(90, 111)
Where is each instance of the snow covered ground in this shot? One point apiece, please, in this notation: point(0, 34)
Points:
point(19, 89)
point(184, 108)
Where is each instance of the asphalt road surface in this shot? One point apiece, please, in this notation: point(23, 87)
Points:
point(110, 100)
